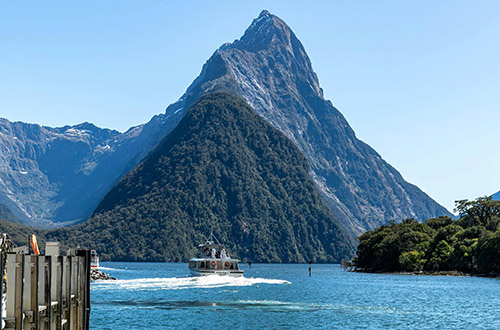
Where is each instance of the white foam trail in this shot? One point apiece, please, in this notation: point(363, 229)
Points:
point(109, 268)
point(178, 283)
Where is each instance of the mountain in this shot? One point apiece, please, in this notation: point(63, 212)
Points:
point(223, 168)
point(54, 176)
point(496, 196)
point(6, 214)
point(18, 232)
point(59, 175)
point(269, 68)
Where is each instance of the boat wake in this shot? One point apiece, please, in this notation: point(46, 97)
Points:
point(179, 283)
point(110, 268)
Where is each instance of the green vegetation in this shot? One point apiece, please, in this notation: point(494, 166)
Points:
point(470, 244)
point(223, 167)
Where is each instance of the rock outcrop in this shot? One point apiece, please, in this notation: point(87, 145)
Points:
point(96, 274)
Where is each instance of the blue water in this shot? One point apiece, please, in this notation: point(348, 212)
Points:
point(162, 296)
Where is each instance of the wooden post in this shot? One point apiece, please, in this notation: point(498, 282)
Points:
point(30, 295)
point(34, 289)
point(81, 292)
point(55, 291)
point(74, 291)
point(44, 284)
point(87, 288)
point(15, 288)
point(3, 256)
point(66, 293)
point(10, 319)
point(60, 288)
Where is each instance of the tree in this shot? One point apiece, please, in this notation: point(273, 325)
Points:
point(481, 211)
point(437, 223)
point(440, 257)
point(412, 260)
point(489, 255)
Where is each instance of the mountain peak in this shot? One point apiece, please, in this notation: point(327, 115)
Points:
point(265, 30)
point(263, 18)
point(265, 13)
point(268, 45)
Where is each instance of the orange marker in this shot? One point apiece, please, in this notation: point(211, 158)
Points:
point(34, 244)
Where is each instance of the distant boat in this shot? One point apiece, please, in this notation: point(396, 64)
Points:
point(214, 259)
point(94, 259)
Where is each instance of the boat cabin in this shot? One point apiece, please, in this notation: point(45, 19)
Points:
point(94, 259)
point(213, 258)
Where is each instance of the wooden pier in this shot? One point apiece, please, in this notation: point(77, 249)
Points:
point(45, 292)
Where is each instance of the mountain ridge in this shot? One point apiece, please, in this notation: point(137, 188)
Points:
point(57, 176)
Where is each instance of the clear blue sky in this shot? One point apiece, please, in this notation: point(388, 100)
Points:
point(417, 80)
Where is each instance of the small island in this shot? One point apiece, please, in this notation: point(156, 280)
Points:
point(467, 246)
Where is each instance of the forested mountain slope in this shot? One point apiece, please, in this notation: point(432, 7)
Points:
point(222, 168)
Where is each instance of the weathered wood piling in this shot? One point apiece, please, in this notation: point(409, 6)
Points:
point(45, 292)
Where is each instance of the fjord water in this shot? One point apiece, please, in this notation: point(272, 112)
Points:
point(277, 296)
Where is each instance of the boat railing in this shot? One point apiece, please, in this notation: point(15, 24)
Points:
point(213, 251)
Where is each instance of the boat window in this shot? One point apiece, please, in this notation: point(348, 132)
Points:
point(202, 264)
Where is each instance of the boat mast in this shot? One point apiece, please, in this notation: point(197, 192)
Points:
point(212, 236)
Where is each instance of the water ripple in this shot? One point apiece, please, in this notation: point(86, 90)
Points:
point(265, 305)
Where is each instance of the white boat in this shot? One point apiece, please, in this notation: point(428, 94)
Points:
point(213, 259)
point(94, 259)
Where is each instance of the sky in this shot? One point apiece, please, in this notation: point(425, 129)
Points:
point(419, 81)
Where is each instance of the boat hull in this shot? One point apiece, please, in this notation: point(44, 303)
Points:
point(231, 273)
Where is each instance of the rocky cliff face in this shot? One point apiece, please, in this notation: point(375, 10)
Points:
point(54, 176)
point(6, 214)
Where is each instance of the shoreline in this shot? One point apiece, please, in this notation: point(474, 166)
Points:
point(455, 273)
